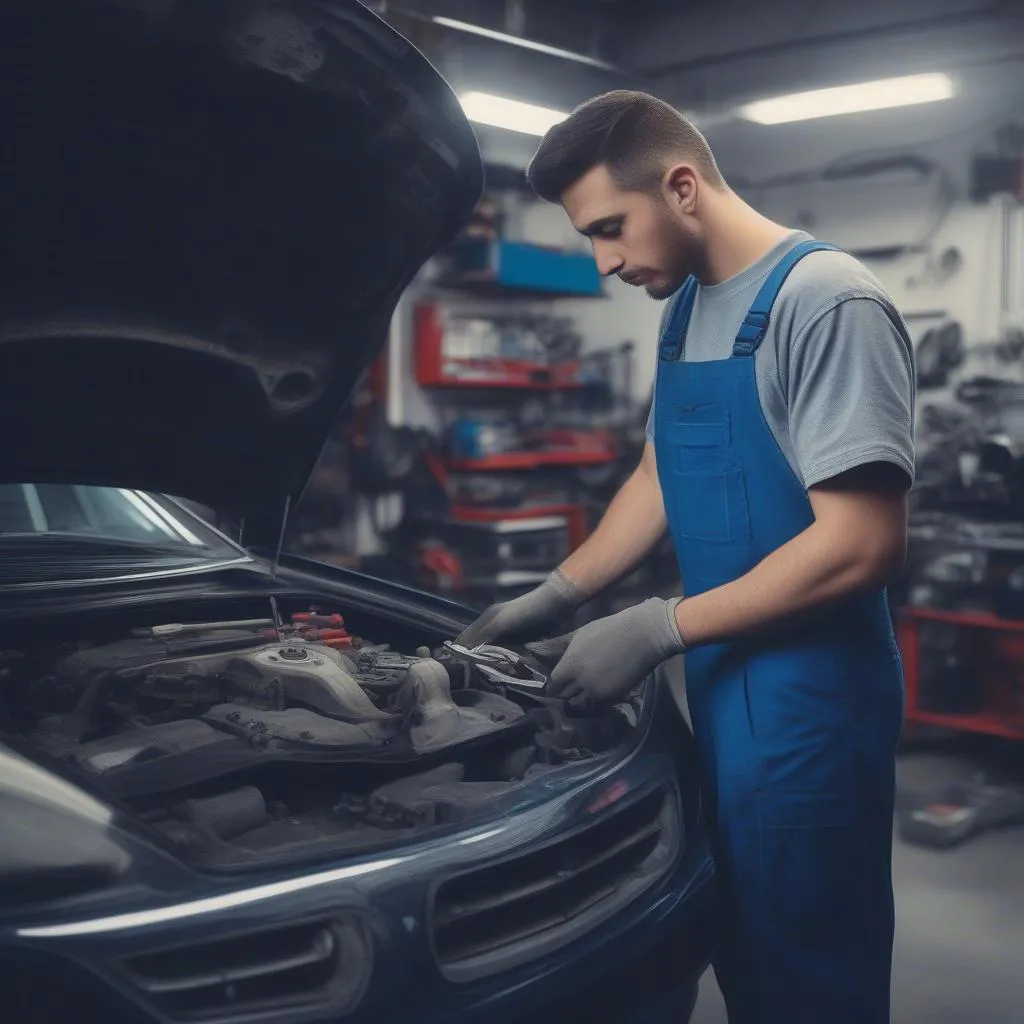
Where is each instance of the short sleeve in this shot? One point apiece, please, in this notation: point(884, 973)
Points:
point(850, 383)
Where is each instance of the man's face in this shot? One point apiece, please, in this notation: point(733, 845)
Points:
point(635, 235)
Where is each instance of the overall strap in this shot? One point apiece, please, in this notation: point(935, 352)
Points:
point(678, 319)
point(755, 323)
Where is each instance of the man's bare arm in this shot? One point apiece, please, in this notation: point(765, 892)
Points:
point(858, 539)
point(629, 529)
point(633, 523)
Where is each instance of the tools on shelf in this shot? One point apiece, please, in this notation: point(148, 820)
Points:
point(516, 405)
point(518, 353)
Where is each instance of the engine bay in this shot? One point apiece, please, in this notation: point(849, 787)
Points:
point(239, 741)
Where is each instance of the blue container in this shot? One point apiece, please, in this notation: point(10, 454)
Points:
point(474, 439)
point(518, 266)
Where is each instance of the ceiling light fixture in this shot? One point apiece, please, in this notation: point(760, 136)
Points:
point(883, 94)
point(499, 112)
point(525, 44)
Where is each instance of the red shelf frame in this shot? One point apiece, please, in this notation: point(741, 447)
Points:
point(999, 716)
point(528, 460)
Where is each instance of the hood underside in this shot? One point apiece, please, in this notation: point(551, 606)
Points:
point(211, 211)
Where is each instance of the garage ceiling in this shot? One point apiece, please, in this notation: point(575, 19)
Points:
point(709, 56)
point(672, 44)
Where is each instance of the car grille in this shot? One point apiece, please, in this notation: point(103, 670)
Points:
point(505, 914)
point(245, 974)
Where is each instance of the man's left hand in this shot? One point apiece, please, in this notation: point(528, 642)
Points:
point(609, 657)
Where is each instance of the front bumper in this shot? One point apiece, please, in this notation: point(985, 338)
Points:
point(643, 960)
point(643, 970)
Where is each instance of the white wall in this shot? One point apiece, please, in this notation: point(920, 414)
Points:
point(973, 295)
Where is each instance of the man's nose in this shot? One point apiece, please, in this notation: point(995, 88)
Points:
point(608, 261)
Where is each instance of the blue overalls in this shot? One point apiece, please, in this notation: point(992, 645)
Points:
point(797, 733)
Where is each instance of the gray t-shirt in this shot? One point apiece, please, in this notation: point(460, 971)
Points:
point(835, 372)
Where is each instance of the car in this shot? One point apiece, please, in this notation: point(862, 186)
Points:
point(237, 784)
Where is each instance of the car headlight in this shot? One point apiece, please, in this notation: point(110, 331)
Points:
point(57, 839)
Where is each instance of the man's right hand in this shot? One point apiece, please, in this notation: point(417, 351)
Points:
point(529, 617)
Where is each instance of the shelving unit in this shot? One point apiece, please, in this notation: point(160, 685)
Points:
point(998, 678)
point(465, 360)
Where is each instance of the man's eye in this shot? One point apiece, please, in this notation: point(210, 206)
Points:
point(610, 231)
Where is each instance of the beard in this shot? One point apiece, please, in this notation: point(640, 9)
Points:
point(683, 253)
point(663, 290)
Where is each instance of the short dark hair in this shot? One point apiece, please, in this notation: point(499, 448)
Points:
point(635, 135)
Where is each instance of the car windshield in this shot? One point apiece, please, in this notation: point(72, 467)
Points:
point(69, 532)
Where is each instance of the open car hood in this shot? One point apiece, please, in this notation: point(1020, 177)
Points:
point(212, 207)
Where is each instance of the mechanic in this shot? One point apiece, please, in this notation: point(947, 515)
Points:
point(779, 455)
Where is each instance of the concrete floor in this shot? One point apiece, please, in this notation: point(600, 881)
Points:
point(959, 954)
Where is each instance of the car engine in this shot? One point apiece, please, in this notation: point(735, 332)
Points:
point(244, 739)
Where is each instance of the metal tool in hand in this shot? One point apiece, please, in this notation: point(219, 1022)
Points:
point(496, 664)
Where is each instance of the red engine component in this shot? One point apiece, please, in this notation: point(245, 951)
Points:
point(326, 629)
point(314, 618)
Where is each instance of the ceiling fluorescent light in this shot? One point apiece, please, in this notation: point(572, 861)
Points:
point(511, 114)
point(883, 94)
point(525, 44)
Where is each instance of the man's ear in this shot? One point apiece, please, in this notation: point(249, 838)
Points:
point(680, 186)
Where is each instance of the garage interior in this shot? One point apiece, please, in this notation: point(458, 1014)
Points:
point(510, 400)
point(251, 767)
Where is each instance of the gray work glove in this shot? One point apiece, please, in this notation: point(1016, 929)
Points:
point(527, 617)
point(550, 651)
point(609, 657)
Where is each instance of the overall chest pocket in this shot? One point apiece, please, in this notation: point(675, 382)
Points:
point(709, 484)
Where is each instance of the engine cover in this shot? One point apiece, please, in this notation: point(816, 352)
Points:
point(319, 677)
point(438, 720)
